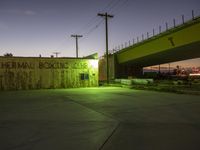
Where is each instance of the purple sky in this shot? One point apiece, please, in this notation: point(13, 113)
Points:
point(33, 27)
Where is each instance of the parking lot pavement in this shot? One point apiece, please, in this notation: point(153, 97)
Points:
point(43, 120)
point(99, 118)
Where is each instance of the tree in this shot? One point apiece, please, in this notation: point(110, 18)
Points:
point(8, 55)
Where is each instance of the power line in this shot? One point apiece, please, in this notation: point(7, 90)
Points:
point(95, 19)
point(114, 5)
point(119, 9)
point(89, 24)
point(94, 28)
point(110, 6)
point(95, 22)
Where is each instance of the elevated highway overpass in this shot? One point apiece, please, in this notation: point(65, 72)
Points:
point(179, 43)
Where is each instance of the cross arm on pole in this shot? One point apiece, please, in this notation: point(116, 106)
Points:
point(105, 15)
point(77, 36)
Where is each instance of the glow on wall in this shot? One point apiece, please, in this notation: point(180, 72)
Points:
point(36, 73)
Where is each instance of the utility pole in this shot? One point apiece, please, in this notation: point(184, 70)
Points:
point(76, 36)
point(106, 16)
point(56, 53)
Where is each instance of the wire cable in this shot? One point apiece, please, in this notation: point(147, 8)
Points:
point(121, 8)
point(95, 22)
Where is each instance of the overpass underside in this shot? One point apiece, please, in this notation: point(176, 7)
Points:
point(185, 52)
point(180, 43)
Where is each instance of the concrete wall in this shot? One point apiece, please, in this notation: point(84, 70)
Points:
point(18, 73)
point(103, 68)
point(117, 70)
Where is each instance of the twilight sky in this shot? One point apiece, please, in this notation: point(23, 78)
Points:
point(33, 27)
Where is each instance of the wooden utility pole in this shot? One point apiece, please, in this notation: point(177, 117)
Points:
point(56, 53)
point(76, 36)
point(106, 16)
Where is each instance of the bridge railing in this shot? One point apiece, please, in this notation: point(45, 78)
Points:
point(157, 31)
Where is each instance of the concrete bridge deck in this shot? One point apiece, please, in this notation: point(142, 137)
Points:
point(179, 43)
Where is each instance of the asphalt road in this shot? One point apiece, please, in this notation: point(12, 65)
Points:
point(99, 119)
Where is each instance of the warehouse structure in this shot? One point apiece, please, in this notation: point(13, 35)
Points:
point(17, 73)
